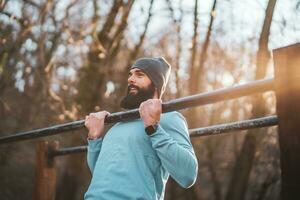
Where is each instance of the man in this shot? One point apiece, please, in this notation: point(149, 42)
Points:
point(134, 159)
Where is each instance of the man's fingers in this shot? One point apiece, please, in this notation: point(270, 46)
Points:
point(106, 113)
point(86, 120)
point(99, 115)
point(86, 123)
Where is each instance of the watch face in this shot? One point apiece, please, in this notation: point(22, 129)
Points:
point(151, 129)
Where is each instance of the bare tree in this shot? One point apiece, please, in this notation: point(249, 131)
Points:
point(197, 70)
point(92, 78)
point(244, 162)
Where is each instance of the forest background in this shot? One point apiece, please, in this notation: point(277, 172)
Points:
point(60, 60)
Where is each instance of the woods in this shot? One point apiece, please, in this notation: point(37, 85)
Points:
point(60, 60)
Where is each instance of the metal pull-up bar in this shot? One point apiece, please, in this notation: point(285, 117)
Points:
point(172, 105)
point(197, 132)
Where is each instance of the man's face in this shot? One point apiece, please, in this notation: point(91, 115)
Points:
point(140, 88)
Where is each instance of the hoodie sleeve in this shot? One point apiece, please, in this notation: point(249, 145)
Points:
point(93, 150)
point(172, 144)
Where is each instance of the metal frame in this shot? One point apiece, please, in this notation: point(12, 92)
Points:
point(175, 104)
point(199, 132)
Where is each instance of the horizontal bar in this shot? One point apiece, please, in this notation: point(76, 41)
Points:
point(235, 126)
point(201, 99)
point(175, 104)
point(67, 151)
point(199, 132)
point(43, 132)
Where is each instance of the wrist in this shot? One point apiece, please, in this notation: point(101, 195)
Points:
point(146, 124)
point(94, 135)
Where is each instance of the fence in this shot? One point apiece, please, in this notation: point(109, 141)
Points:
point(287, 89)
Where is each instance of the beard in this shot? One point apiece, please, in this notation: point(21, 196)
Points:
point(133, 100)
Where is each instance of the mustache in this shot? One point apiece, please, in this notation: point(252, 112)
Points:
point(133, 86)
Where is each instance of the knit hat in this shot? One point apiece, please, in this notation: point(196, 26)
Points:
point(157, 69)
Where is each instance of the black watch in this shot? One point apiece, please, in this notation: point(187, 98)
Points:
point(151, 129)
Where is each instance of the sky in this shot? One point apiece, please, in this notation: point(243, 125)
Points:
point(237, 22)
point(242, 17)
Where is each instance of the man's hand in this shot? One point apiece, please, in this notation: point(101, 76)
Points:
point(94, 122)
point(150, 111)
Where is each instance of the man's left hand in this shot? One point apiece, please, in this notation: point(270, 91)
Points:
point(150, 111)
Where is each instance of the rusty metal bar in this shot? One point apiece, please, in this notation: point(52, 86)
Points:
point(287, 83)
point(235, 126)
point(199, 132)
point(46, 174)
point(69, 150)
point(175, 104)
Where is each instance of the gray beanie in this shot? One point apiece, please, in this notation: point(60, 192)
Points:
point(157, 69)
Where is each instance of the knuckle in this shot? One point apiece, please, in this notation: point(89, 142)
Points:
point(100, 113)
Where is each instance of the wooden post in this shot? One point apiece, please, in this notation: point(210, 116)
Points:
point(287, 87)
point(45, 181)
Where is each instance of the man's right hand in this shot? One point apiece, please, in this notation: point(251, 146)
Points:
point(94, 122)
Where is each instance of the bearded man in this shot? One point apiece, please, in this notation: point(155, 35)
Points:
point(134, 159)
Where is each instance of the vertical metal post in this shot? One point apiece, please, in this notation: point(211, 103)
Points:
point(45, 180)
point(287, 87)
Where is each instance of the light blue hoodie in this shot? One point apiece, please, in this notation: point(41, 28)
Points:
point(129, 164)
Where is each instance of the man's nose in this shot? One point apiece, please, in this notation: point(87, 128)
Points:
point(131, 79)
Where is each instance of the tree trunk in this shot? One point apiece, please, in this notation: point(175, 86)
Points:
point(241, 171)
point(196, 70)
